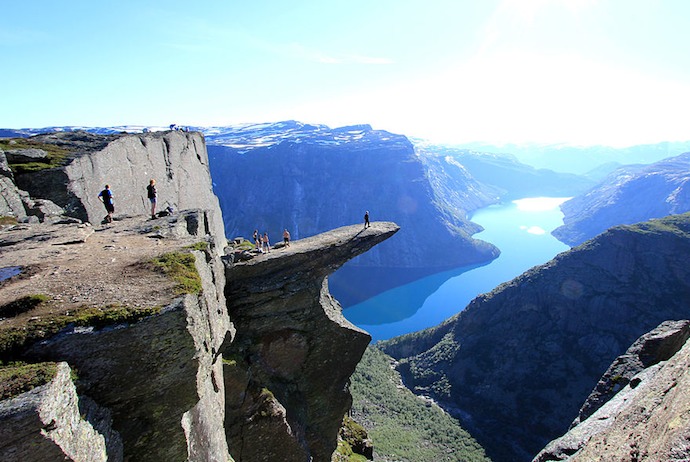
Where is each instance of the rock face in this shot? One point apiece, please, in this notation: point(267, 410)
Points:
point(46, 424)
point(518, 362)
point(11, 204)
point(282, 358)
point(176, 160)
point(310, 179)
point(628, 195)
point(639, 409)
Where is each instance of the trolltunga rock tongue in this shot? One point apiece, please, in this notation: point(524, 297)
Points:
point(288, 328)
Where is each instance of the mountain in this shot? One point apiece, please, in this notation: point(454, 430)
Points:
point(309, 178)
point(514, 179)
point(583, 159)
point(517, 363)
point(628, 195)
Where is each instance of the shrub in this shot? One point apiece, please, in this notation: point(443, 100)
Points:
point(181, 267)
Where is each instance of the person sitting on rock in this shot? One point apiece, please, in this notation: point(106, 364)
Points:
point(106, 196)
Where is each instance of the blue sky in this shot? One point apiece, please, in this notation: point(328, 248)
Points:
point(576, 71)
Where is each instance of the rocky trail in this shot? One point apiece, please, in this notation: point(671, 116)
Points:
point(94, 266)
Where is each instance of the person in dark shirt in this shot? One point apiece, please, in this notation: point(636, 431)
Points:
point(152, 195)
point(106, 196)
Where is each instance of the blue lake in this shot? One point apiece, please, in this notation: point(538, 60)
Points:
point(521, 229)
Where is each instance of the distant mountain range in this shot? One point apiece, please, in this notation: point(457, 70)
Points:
point(628, 195)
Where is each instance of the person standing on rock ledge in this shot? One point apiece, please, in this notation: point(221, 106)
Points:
point(106, 196)
point(267, 245)
point(286, 238)
point(366, 219)
point(151, 194)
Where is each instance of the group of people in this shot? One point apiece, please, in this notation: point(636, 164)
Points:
point(106, 196)
point(262, 243)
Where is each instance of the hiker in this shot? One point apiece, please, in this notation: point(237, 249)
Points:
point(151, 194)
point(267, 245)
point(286, 238)
point(257, 240)
point(106, 196)
point(366, 219)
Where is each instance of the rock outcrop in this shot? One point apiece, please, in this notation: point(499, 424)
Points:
point(639, 409)
point(46, 424)
point(293, 352)
point(518, 362)
point(177, 160)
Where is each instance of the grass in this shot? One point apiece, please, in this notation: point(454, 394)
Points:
point(13, 339)
point(181, 267)
point(56, 156)
point(5, 220)
point(18, 378)
point(201, 245)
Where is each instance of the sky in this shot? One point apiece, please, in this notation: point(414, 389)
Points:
point(585, 72)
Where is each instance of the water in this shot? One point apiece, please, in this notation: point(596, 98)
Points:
point(521, 229)
point(9, 271)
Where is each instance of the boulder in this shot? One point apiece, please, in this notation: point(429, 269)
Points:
point(20, 156)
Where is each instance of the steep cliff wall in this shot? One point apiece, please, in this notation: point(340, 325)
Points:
point(293, 352)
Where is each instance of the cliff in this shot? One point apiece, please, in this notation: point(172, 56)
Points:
point(517, 363)
point(639, 408)
point(169, 343)
point(628, 195)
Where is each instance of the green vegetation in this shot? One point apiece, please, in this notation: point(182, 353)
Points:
point(182, 269)
point(244, 245)
point(675, 224)
point(402, 426)
point(201, 245)
point(15, 338)
point(22, 305)
point(5, 220)
point(351, 440)
point(18, 378)
point(56, 156)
